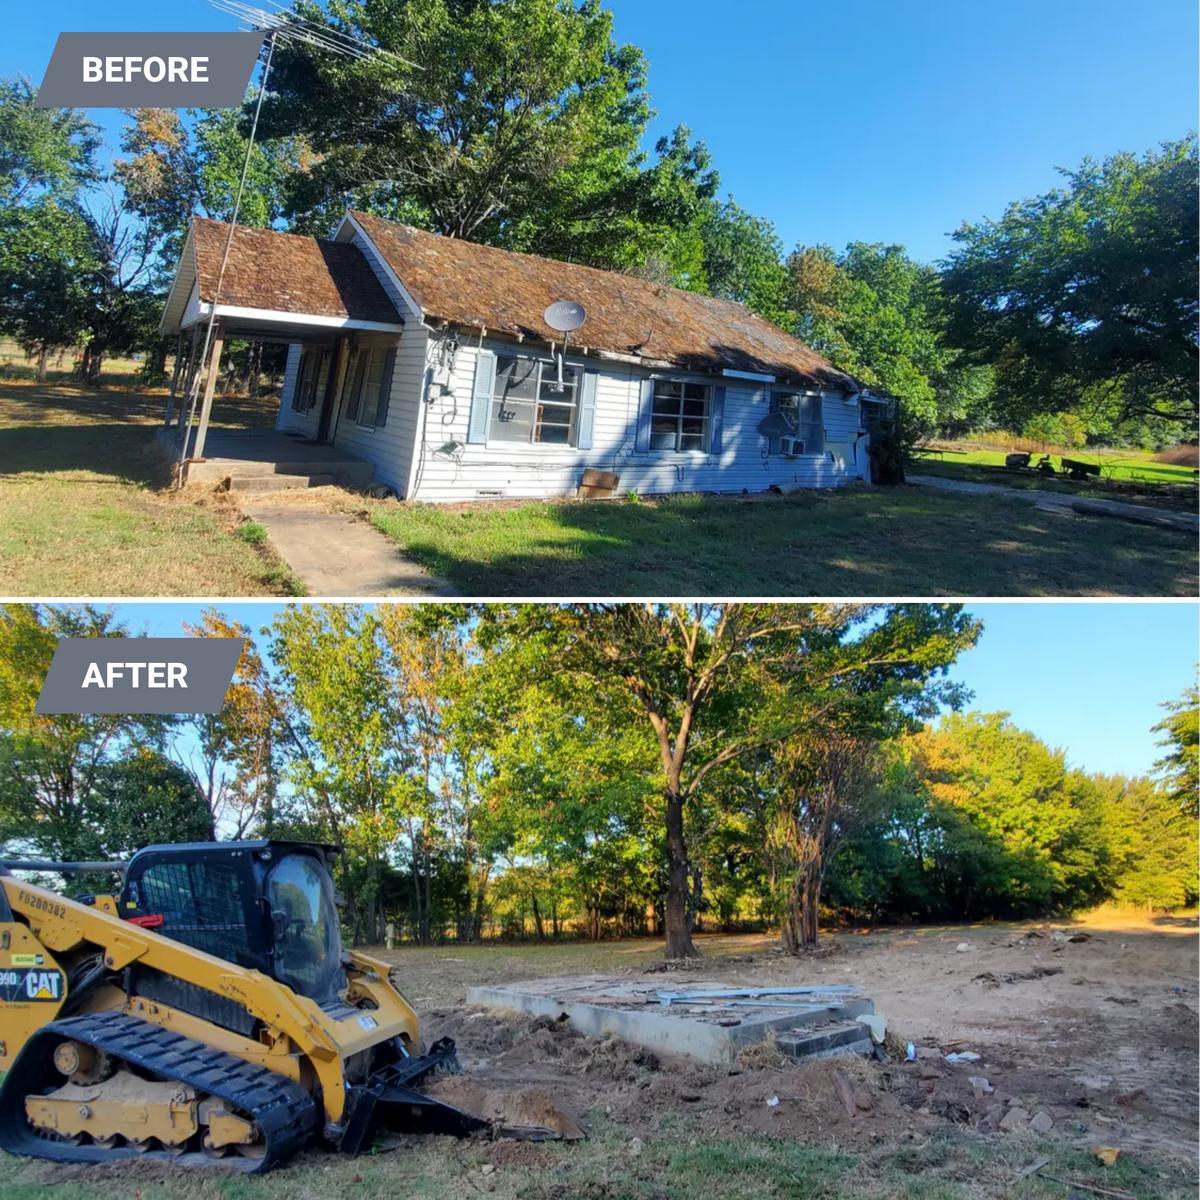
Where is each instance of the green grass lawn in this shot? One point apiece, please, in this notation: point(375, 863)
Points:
point(83, 510)
point(852, 542)
point(1129, 477)
point(673, 1164)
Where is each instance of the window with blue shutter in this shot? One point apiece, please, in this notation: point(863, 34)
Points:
point(385, 389)
point(645, 408)
point(717, 433)
point(481, 397)
point(586, 429)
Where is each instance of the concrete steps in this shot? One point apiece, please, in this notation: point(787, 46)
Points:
point(263, 484)
point(826, 1041)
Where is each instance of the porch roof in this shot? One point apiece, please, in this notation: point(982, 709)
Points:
point(276, 285)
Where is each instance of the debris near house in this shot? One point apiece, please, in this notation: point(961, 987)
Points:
point(988, 979)
point(598, 485)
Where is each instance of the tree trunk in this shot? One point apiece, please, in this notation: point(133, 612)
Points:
point(679, 934)
point(537, 918)
point(43, 355)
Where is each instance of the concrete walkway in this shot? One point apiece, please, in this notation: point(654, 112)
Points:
point(335, 554)
point(1163, 518)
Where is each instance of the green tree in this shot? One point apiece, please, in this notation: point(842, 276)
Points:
point(45, 153)
point(712, 682)
point(349, 759)
point(146, 799)
point(876, 313)
point(487, 112)
point(52, 765)
point(1015, 832)
point(1155, 846)
point(743, 261)
point(1180, 768)
point(1094, 283)
point(47, 249)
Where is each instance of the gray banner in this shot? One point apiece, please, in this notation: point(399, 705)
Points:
point(139, 675)
point(149, 70)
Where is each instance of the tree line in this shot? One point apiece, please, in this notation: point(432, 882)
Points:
point(552, 771)
point(521, 125)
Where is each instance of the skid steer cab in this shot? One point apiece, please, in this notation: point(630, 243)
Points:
point(206, 1009)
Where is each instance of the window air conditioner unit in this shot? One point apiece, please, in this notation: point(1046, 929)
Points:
point(791, 447)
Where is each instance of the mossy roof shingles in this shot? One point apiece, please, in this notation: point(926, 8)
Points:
point(287, 273)
point(506, 293)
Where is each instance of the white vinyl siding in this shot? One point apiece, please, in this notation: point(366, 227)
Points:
point(449, 469)
point(390, 446)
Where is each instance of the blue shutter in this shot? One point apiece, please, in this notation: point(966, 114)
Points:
point(481, 397)
point(645, 404)
point(773, 443)
point(718, 420)
point(385, 388)
point(586, 430)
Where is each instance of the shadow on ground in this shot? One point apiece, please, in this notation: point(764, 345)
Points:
point(853, 542)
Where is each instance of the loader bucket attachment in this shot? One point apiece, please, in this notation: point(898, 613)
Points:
point(449, 1104)
point(390, 1101)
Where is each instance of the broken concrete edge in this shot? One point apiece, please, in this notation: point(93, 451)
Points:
point(656, 1029)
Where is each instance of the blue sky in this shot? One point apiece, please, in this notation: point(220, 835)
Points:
point(855, 119)
point(1088, 677)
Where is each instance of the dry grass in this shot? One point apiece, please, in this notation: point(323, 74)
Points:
point(1183, 455)
point(86, 508)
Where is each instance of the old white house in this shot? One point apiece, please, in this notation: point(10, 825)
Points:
point(428, 357)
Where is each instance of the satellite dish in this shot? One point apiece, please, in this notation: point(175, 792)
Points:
point(564, 315)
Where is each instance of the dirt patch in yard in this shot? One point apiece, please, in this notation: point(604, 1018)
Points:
point(1058, 1057)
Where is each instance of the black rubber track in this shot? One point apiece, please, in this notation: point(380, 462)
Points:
point(286, 1113)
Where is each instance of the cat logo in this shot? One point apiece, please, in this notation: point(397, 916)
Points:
point(20, 987)
point(43, 985)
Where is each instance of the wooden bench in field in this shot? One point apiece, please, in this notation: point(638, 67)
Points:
point(1080, 470)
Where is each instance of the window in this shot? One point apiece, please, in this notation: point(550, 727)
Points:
point(526, 405)
point(311, 377)
point(371, 373)
point(305, 924)
point(680, 415)
point(200, 903)
point(807, 418)
point(367, 385)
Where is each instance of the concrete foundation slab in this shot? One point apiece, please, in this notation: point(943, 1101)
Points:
point(714, 1029)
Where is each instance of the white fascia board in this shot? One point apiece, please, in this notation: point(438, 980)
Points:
point(753, 375)
point(187, 251)
point(383, 262)
point(290, 318)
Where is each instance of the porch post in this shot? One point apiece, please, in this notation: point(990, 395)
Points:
point(190, 376)
point(331, 389)
point(174, 377)
point(210, 386)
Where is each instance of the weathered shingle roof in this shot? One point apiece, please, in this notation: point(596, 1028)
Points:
point(504, 292)
point(290, 274)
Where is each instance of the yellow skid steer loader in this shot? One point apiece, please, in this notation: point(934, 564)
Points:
point(207, 1010)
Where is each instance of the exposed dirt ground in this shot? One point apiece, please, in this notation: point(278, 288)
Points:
point(1099, 1035)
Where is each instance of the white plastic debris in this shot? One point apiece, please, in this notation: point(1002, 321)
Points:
point(910, 1052)
point(978, 1081)
point(963, 947)
point(877, 1024)
point(964, 1057)
point(773, 1102)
